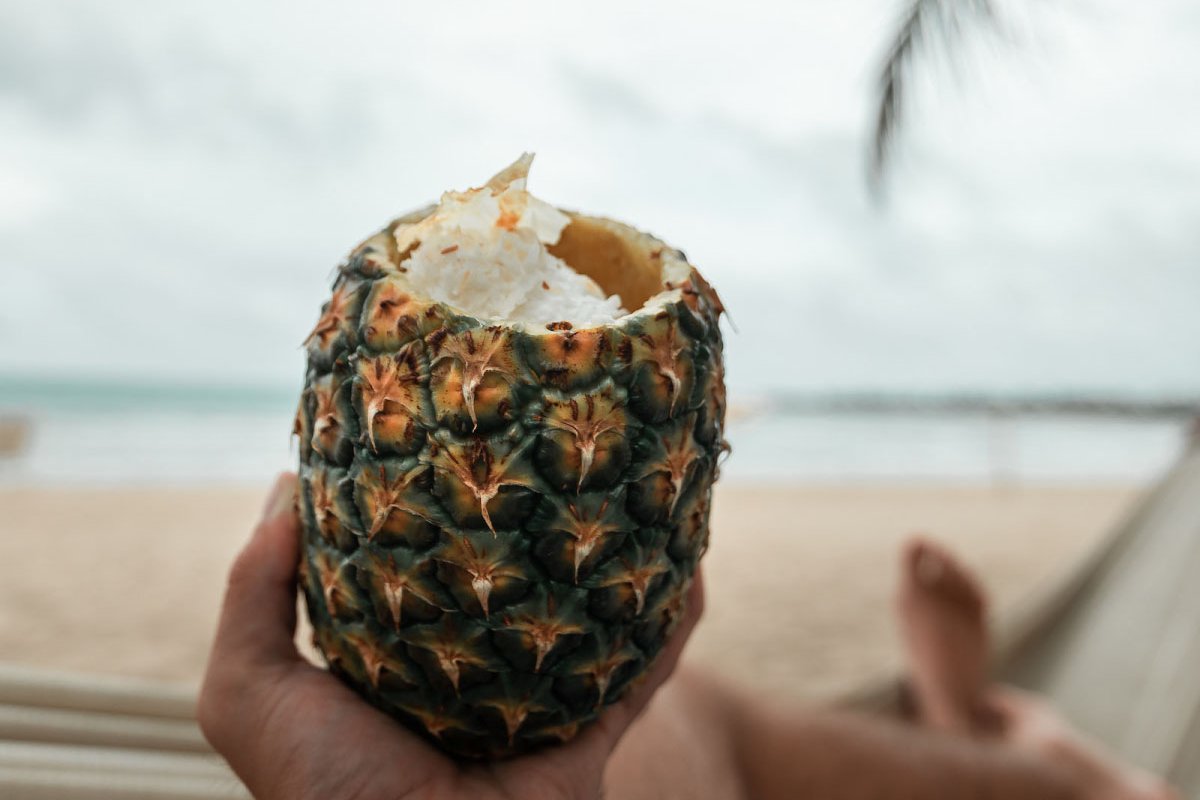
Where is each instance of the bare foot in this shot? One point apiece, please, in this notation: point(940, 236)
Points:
point(942, 614)
point(943, 621)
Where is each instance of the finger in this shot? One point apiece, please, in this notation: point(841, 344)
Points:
point(623, 713)
point(580, 762)
point(258, 618)
point(599, 739)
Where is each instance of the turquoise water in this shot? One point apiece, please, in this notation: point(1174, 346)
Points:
point(137, 433)
point(21, 392)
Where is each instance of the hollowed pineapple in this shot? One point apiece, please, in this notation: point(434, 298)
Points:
point(502, 518)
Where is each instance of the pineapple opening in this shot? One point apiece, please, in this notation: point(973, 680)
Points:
point(615, 257)
point(500, 254)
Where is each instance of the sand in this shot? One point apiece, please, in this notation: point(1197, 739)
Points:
point(128, 581)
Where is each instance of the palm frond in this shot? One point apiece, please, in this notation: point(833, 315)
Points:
point(926, 24)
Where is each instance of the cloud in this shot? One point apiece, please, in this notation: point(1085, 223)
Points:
point(177, 181)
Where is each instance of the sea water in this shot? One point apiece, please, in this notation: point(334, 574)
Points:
point(112, 435)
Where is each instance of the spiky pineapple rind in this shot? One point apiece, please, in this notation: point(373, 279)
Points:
point(501, 523)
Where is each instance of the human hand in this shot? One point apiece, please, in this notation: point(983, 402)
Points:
point(291, 730)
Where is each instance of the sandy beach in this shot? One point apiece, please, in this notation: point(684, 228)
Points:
point(128, 581)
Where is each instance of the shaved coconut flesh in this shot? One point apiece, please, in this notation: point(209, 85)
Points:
point(484, 251)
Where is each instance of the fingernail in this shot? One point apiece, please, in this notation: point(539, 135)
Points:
point(281, 496)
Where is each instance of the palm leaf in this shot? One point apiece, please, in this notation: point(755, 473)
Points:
point(925, 25)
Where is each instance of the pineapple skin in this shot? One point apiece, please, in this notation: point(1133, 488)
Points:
point(501, 524)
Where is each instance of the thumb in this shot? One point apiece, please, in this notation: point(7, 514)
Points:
point(258, 618)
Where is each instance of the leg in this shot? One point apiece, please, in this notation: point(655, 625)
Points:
point(942, 616)
point(682, 748)
point(701, 738)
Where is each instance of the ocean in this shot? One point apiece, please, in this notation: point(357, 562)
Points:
point(118, 434)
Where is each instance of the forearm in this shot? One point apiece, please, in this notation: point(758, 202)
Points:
point(845, 756)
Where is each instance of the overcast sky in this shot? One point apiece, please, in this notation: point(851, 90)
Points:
point(176, 183)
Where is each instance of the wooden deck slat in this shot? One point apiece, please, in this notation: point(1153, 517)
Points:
point(1122, 660)
point(28, 783)
point(106, 694)
point(52, 725)
point(117, 760)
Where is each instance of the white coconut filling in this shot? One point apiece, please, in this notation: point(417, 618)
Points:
point(483, 251)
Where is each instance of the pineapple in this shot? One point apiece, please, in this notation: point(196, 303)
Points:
point(501, 517)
